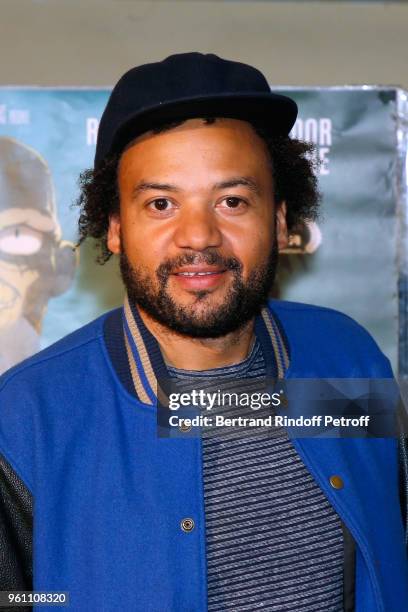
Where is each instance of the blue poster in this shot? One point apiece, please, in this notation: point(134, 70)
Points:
point(347, 260)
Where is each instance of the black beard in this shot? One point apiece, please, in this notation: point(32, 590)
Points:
point(242, 302)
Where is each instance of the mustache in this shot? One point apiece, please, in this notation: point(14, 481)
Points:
point(210, 258)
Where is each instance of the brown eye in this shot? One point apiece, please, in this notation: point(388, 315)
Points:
point(160, 204)
point(233, 202)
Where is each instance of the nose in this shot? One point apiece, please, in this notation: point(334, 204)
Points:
point(197, 229)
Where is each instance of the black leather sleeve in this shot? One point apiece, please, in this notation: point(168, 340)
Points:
point(349, 570)
point(16, 528)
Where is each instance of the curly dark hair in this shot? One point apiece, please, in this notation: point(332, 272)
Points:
point(294, 169)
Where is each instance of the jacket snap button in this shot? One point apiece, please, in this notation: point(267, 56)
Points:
point(187, 524)
point(336, 482)
point(184, 427)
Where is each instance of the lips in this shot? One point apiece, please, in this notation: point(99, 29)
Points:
point(199, 277)
point(198, 271)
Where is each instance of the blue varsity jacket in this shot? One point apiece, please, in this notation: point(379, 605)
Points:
point(109, 496)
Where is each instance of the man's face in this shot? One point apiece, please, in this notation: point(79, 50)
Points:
point(198, 230)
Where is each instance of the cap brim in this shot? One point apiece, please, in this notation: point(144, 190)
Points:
point(276, 113)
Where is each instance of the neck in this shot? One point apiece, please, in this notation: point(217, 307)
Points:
point(189, 353)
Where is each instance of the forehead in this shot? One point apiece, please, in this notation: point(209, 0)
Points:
point(228, 144)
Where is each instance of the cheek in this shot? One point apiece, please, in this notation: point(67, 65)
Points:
point(144, 247)
point(253, 247)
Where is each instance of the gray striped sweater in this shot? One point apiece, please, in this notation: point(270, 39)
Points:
point(273, 540)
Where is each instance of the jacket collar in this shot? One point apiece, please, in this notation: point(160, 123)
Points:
point(147, 364)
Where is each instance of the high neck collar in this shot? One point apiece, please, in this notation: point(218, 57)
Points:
point(146, 361)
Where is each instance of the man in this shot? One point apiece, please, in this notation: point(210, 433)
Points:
point(35, 264)
point(195, 187)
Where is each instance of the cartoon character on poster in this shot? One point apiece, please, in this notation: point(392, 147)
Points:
point(304, 241)
point(35, 264)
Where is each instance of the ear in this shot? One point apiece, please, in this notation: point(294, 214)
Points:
point(281, 226)
point(113, 238)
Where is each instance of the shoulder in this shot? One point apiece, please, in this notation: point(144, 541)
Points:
point(308, 318)
point(65, 350)
point(332, 333)
point(42, 398)
point(316, 314)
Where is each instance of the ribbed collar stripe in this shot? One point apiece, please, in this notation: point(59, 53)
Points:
point(279, 348)
point(141, 368)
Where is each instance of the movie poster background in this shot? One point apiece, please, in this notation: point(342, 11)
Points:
point(350, 260)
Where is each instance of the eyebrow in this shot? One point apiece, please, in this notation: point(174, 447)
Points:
point(236, 181)
point(245, 181)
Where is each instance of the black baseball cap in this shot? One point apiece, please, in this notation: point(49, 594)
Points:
point(184, 86)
